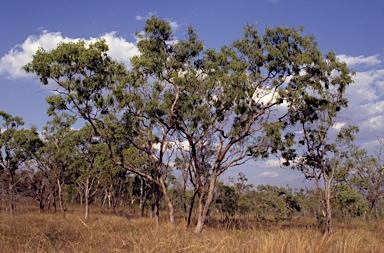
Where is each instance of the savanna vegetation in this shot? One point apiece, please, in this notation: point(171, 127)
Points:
point(146, 171)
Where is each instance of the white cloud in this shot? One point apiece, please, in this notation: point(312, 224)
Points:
point(366, 102)
point(120, 49)
point(11, 63)
point(174, 25)
point(338, 125)
point(173, 145)
point(273, 162)
point(372, 145)
point(269, 174)
point(292, 178)
point(374, 124)
point(372, 108)
point(150, 14)
point(365, 94)
point(360, 60)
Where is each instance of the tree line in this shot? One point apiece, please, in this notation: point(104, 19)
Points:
point(185, 110)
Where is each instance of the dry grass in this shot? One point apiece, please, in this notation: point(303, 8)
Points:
point(33, 232)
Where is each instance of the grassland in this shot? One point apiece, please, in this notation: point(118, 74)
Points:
point(30, 231)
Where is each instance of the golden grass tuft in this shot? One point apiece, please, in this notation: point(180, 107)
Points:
point(34, 232)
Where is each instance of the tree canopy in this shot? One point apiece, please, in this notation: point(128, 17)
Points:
point(215, 108)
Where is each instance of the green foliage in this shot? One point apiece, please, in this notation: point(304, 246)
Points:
point(16, 145)
point(226, 200)
point(229, 105)
point(18, 148)
point(278, 202)
point(81, 72)
point(365, 175)
point(349, 201)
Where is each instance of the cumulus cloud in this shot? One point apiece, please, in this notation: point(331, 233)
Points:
point(373, 145)
point(374, 124)
point(366, 98)
point(338, 125)
point(174, 25)
point(272, 162)
point(120, 49)
point(292, 178)
point(149, 14)
point(269, 174)
point(373, 108)
point(360, 60)
point(11, 63)
point(366, 86)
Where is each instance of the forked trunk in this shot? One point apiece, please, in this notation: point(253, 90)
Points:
point(205, 204)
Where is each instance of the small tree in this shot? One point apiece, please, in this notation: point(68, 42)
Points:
point(17, 147)
point(226, 200)
point(349, 202)
point(57, 156)
point(366, 175)
point(88, 164)
point(281, 203)
point(321, 159)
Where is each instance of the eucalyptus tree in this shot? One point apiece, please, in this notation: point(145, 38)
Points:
point(281, 202)
point(349, 202)
point(17, 147)
point(221, 107)
point(89, 86)
point(57, 156)
point(321, 160)
point(232, 105)
point(11, 159)
point(38, 186)
point(87, 166)
point(366, 175)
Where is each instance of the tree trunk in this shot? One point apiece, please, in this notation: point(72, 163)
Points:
point(11, 193)
point(143, 197)
point(11, 199)
point(371, 209)
point(54, 201)
point(205, 204)
point(328, 211)
point(155, 203)
point(171, 210)
point(86, 199)
point(41, 205)
point(60, 199)
point(155, 211)
point(3, 196)
point(81, 199)
point(191, 204)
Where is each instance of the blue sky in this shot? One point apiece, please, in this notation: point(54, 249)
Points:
point(353, 29)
